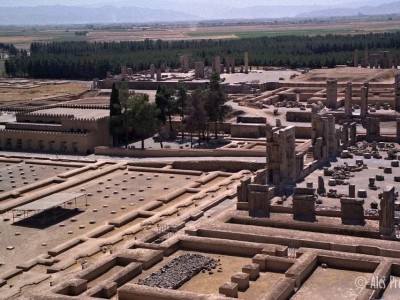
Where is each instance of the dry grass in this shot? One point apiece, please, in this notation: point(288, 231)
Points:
point(44, 91)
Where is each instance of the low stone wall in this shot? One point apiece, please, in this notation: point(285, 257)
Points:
point(150, 85)
point(178, 152)
point(139, 292)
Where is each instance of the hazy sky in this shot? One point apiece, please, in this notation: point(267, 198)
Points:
point(147, 3)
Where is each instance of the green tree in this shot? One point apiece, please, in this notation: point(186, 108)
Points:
point(181, 105)
point(115, 116)
point(215, 106)
point(124, 96)
point(142, 116)
point(196, 118)
point(166, 103)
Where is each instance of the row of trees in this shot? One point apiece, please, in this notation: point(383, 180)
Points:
point(88, 60)
point(132, 115)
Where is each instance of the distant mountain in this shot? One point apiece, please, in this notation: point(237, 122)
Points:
point(140, 11)
point(270, 12)
point(59, 14)
point(384, 9)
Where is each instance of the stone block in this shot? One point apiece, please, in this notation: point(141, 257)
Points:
point(243, 281)
point(304, 191)
point(362, 194)
point(352, 211)
point(253, 270)
point(229, 289)
point(260, 260)
point(332, 182)
point(387, 170)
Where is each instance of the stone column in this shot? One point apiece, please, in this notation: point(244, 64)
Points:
point(130, 71)
point(366, 58)
point(246, 62)
point(159, 75)
point(348, 100)
point(321, 185)
point(217, 64)
point(353, 132)
point(373, 127)
point(352, 191)
point(152, 71)
point(185, 63)
point(386, 213)
point(355, 58)
point(364, 102)
point(123, 72)
point(199, 70)
point(397, 92)
point(331, 93)
point(398, 128)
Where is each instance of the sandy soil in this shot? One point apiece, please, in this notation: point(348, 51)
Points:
point(325, 283)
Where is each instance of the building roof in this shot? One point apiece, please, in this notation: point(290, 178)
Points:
point(49, 202)
point(78, 113)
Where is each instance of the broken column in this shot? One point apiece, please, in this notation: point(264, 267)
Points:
point(246, 62)
point(352, 211)
point(199, 70)
point(364, 101)
point(321, 185)
point(352, 191)
point(348, 100)
point(331, 93)
point(366, 58)
point(242, 190)
point(123, 72)
point(345, 133)
point(152, 71)
point(304, 204)
point(386, 213)
point(159, 77)
point(373, 127)
point(355, 59)
point(398, 129)
point(129, 70)
point(353, 133)
point(217, 64)
point(185, 63)
point(397, 92)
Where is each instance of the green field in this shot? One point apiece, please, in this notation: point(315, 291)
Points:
point(23, 38)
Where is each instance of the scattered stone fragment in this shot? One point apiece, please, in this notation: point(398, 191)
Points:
point(179, 271)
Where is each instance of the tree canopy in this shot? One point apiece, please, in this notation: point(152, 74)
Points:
point(88, 60)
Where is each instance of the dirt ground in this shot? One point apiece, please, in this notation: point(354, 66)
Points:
point(11, 90)
point(348, 74)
